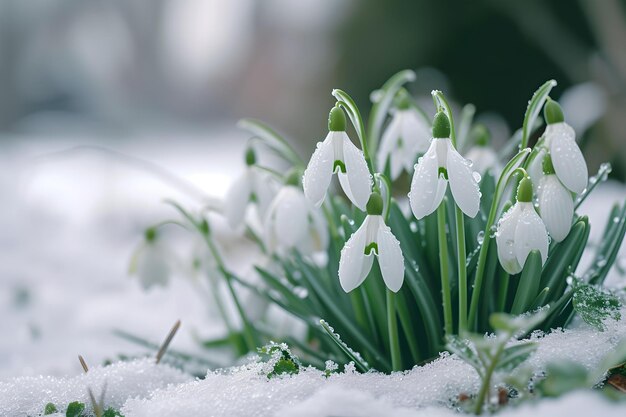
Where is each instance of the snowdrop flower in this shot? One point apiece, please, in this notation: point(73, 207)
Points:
point(560, 141)
point(337, 154)
point(374, 237)
point(406, 136)
point(483, 156)
point(292, 222)
point(556, 205)
point(254, 186)
point(442, 164)
point(520, 231)
point(150, 262)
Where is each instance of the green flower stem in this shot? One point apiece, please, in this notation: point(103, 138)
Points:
point(392, 320)
point(507, 172)
point(462, 267)
point(486, 382)
point(503, 291)
point(248, 332)
point(443, 268)
point(441, 102)
point(385, 180)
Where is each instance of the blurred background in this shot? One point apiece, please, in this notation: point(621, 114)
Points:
point(100, 101)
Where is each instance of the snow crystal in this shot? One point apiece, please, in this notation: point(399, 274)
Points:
point(28, 395)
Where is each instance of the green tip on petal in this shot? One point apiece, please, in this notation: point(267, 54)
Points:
point(480, 134)
point(250, 156)
point(441, 126)
point(337, 120)
point(548, 168)
point(402, 100)
point(525, 190)
point(293, 178)
point(150, 234)
point(552, 112)
point(374, 205)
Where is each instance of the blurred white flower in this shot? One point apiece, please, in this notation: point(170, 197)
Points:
point(337, 154)
point(442, 164)
point(254, 186)
point(151, 262)
point(406, 137)
point(292, 222)
point(556, 205)
point(520, 231)
point(373, 237)
point(483, 156)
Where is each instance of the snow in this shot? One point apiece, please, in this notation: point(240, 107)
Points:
point(28, 395)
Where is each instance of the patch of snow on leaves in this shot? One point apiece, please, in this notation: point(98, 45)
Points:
point(27, 396)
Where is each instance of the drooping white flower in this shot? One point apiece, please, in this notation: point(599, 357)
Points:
point(520, 231)
point(373, 237)
point(442, 164)
point(556, 205)
point(293, 222)
point(150, 263)
point(406, 137)
point(254, 186)
point(483, 156)
point(560, 140)
point(337, 154)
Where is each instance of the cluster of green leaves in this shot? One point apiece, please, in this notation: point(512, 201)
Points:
point(280, 358)
point(488, 355)
point(311, 291)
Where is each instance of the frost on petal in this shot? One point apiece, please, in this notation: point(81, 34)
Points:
point(426, 195)
point(530, 234)
point(319, 172)
point(352, 259)
point(390, 258)
point(388, 143)
point(236, 200)
point(556, 207)
point(505, 240)
point(535, 169)
point(569, 163)
point(357, 175)
point(463, 184)
point(291, 217)
point(264, 190)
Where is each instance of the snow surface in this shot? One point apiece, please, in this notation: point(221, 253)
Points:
point(246, 390)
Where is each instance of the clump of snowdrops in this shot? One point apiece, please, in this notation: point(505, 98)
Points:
point(383, 274)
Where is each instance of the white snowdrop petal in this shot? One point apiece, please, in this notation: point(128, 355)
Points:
point(390, 258)
point(569, 163)
point(425, 184)
point(319, 171)
point(352, 259)
point(530, 234)
point(263, 189)
point(463, 185)
point(357, 173)
point(556, 207)
point(236, 200)
point(505, 240)
point(388, 143)
point(290, 219)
